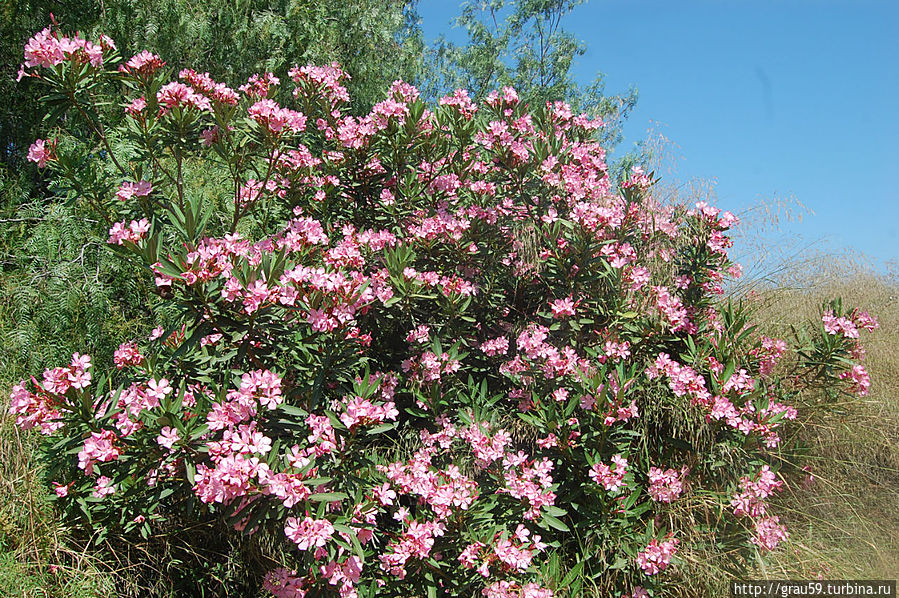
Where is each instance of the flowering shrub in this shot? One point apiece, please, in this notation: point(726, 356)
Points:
point(425, 350)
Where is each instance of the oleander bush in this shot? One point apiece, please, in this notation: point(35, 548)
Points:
point(429, 351)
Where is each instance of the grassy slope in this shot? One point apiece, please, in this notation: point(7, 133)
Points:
point(843, 521)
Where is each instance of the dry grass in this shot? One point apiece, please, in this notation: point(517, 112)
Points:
point(36, 557)
point(843, 522)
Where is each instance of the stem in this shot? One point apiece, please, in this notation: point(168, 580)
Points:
point(179, 183)
point(98, 129)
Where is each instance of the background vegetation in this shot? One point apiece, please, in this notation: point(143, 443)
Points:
point(57, 288)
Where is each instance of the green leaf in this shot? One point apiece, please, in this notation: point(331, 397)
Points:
point(293, 410)
point(327, 497)
point(555, 511)
point(555, 523)
point(573, 573)
point(381, 428)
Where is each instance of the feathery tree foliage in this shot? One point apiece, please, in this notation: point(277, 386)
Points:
point(523, 44)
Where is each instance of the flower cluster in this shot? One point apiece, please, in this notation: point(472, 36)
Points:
point(666, 486)
point(656, 557)
point(48, 49)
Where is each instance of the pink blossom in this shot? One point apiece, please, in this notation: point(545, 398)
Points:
point(143, 63)
point(283, 583)
point(40, 152)
point(657, 555)
point(418, 335)
point(384, 495)
point(127, 190)
point(495, 346)
point(100, 447)
point(769, 533)
point(666, 486)
point(228, 479)
point(865, 321)
point(562, 308)
point(203, 83)
point(308, 533)
point(104, 487)
point(860, 381)
point(604, 475)
point(177, 95)
point(127, 355)
point(167, 438)
point(134, 232)
point(834, 325)
point(751, 500)
point(43, 50)
point(158, 390)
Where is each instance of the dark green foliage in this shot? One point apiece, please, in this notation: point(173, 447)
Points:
point(376, 41)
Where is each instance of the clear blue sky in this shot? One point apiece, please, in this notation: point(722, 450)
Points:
point(770, 98)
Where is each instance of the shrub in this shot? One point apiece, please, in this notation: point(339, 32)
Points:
point(428, 351)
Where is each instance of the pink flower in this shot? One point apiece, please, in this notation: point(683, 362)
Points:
point(178, 95)
point(275, 119)
point(418, 335)
point(143, 63)
point(258, 85)
point(43, 50)
point(167, 438)
point(127, 355)
point(283, 583)
point(769, 533)
point(562, 308)
point(751, 500)
point(104, 487)
point(136, 107)
point(496, 346)
point(134, 232)
point(40, 152)
point(657, 555)
point(865, 321)
point(98, 448)
point(308, 533)
point(834, 325)
point(548, 442)
point(158, 390)
point(611, 480)
point(860, 381)
point(665, 486)
point(461, 101)
point(127, 190)
point(384, 494)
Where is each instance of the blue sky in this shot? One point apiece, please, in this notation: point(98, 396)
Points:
point(789, 98)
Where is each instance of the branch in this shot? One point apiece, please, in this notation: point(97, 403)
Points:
point(35, 219)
